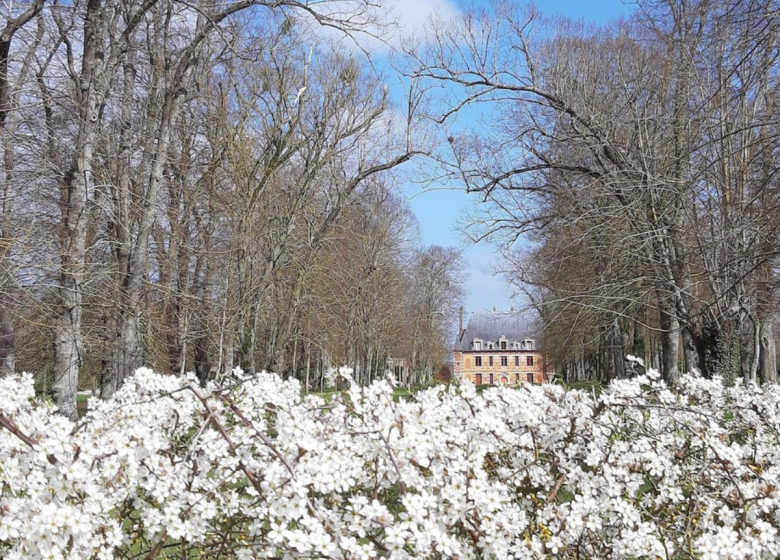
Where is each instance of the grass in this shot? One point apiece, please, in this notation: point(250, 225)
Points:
point(403, 392)
point(81, 405)
point(588, 386)
point(406, 392)
point(398, 392)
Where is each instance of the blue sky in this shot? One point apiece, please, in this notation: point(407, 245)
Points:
point(439, 209)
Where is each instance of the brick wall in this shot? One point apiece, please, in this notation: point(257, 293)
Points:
point(466, 367)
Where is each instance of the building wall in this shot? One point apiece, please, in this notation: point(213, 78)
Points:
point(466, 368)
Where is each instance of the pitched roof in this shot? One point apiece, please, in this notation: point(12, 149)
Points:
point(491, 326)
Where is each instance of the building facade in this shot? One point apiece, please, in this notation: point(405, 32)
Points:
point(499, 348)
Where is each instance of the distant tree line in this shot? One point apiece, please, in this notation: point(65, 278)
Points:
point(632, 170)
point(198, 186)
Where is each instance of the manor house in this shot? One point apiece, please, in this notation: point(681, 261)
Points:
point(499, 347)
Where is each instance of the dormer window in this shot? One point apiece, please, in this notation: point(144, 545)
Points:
point(502, 342)
point(477, 344)
point(490, 345)
point(529, 344)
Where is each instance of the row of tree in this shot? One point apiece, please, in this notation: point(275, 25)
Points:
point(202, 185)
point(638, 165)
point(199, 185)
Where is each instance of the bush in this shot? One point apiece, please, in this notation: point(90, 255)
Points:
point(255, 470)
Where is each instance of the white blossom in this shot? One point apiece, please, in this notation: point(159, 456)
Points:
point(642, 471)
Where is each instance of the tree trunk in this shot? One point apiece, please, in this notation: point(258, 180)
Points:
point(618, 351)
point(127, 356)
point(691, 351)
point(767, 367)
point(68, 341)
point(748, 348)
point(670, 345)
point(201, 347)
point(69, 345)
point(7, 359)
point(308, 367)
point(756, 353)
point(67, 360)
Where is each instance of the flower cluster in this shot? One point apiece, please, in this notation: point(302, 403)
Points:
point(256, 470)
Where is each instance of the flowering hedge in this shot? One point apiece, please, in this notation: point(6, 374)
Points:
point(255, 470)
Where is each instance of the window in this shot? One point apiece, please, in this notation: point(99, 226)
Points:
point(517, 378)
point(490, 345)
point(490, 363)
point(517, 361)
point(529, 360)
point(478, 379)
point(477, 344)
point(503, 345)
point(490, 379)
point(478, 361)
point(530, 377)
point(504, 361)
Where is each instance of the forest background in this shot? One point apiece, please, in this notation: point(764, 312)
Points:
point(197, 186)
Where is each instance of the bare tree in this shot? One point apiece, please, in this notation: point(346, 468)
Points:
point(181, 171)
point(128, 71)
point(10, 90)
point(435, 296)
point(321, 140)
point(605, 152)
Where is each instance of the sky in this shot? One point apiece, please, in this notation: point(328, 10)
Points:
point(439, 209)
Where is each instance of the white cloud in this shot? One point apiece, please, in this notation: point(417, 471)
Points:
point(398, 20)
point(413, 15)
